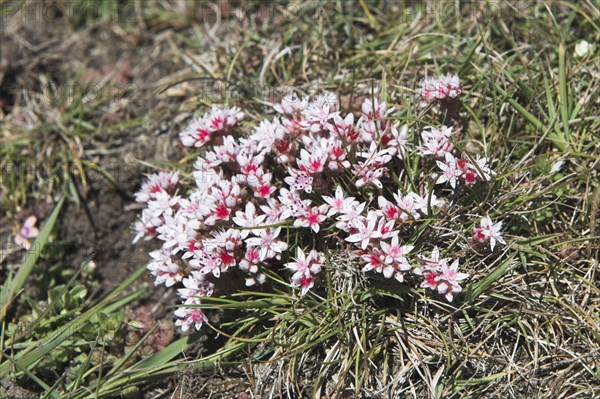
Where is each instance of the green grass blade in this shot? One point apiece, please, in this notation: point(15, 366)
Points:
point(25, 360)
point(482, 285)
point(557, 138)
point(164, 356)
point(562, 91)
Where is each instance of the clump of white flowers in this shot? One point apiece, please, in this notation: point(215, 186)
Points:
point(443, 88)
point(313, 176)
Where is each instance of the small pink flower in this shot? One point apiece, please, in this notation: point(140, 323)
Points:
point(155, 184)
point(299, 180)
point(145, 227)
point(374, 110)
point(349, 214)
point(411, 206)
point(370, 170)
point(375, 260)
point(314, 162)
point(472, 173)
point(251, 260)
point(249, 163)
point(319, 112)
point(197, 133)
point(27, 231)
point(487, 232)
point(302, 263)
point(273, 211)
point(163, 268)
point(395, 262)
point(436, 142)
point(228, 151)
point(195, 286)
point(305, 269)
point(448, 280)
point(291, 105)
point(248, 219)
point(450, 171)
point(337, 155)
point(394, 251)
point(430, 269)
point(337, 203)
point(207, 261)
point(262, 185)
point(177, 232)
point(291, 203)
point(368, 174)
point(220, 119)
point(312, 218)
point(365, 230)
point(396, 141)
point(343, 129)
point(388, 209)
point(268, 244)
point(190, 316)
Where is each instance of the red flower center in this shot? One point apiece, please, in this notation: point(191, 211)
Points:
point(202, 134)
point(216, 123)
point(196, 317)
point(313, 218)
point(470, 178)
point(226, 258)
point(250, 168)
point(193, 246)
point(155, 189)
point(385, 139)
point(391, 212)
point(222, 212)
point(264, 191)
point(431, 279)
point(305, 281)
point(316, 165)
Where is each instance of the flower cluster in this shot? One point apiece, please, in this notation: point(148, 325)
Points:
point(463, 170)
point(440, 275)
point(311, 176)
point(201, 130)
point(443, 88)
point(437, 144)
